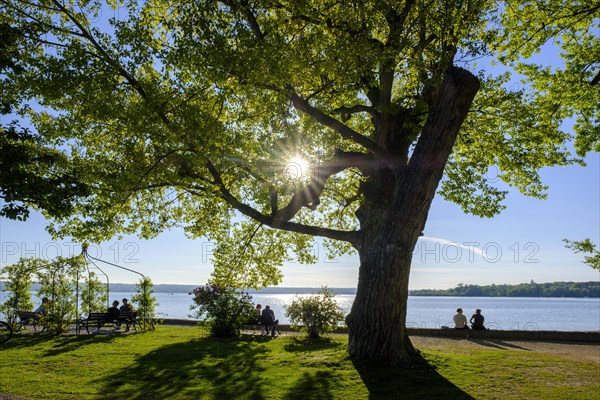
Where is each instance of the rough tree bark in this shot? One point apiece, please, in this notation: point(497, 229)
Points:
point(392, 220)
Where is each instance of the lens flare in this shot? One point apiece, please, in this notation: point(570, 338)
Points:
point(296, 168)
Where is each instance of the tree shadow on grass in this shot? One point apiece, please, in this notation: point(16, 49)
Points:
point(311, 344)
point(60, 344)
point(64, 344)
point(19, 340)
point(497, 344)
point(199, 368)
point(419, 381)
point(315, 385)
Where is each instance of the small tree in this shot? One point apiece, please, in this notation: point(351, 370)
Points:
point(58, 284)
point(19, 278)
point(145, 302)
point(316, 314)
point(93, 295)
point(226, 309)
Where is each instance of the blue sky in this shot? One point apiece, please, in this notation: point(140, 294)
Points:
point(521, 244)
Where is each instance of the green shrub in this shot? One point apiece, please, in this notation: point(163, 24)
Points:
point(58, 282)
point(145, 303)
point(226, 309)
point(315, 314)
point(93, 294)
point(19, 278)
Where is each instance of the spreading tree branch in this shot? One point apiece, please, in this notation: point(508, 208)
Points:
point(244, 7)
point(85, 33)
point(449, 106)
point(355, 109)
point(345, 131)
point(309, 195)
point(268, 220)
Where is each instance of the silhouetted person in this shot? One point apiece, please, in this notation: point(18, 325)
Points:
point(267, 312)
point(114, 313)
point(126, 307)
point(477, 321)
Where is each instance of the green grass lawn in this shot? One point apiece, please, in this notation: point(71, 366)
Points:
point(179, 363)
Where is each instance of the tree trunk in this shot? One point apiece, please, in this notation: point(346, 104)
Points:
point(378, 316)
point(391, 225)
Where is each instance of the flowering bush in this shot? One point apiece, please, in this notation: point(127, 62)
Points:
point(226, 309)
point(315, 314)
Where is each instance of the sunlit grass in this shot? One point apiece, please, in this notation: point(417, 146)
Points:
point(180, 363)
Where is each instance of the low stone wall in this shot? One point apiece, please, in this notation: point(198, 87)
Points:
point(550, 336)
point(544, 336)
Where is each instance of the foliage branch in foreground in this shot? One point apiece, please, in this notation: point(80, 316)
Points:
point(585, 246)
point(33, 172)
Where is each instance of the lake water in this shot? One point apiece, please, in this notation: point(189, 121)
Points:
point(518, 313)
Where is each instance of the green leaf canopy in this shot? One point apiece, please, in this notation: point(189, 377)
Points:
point(179, 113)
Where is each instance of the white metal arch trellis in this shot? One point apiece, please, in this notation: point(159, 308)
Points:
point(93, 261)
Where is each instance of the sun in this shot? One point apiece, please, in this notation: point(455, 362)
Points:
point(296, 168)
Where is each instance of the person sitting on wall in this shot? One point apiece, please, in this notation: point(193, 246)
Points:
point(460, 320)
point(477, 321)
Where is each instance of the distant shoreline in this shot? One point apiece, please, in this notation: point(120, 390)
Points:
point(589, 289)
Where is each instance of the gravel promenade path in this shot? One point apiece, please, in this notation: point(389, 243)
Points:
point(576, 351)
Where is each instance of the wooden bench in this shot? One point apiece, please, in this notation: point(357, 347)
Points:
point(29, 318)
point(100, 319)
point(265, 324)
point(253, 322)
point(129, 319)
point(95, 319)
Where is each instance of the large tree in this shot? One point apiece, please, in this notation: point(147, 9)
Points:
point(196, 114)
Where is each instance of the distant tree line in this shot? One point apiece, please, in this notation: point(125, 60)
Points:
point(532, 289)
point(180, 288)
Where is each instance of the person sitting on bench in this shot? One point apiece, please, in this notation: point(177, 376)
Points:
point(267, 312)
point(114, 313)
point(43, 308)
point(126, 307)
